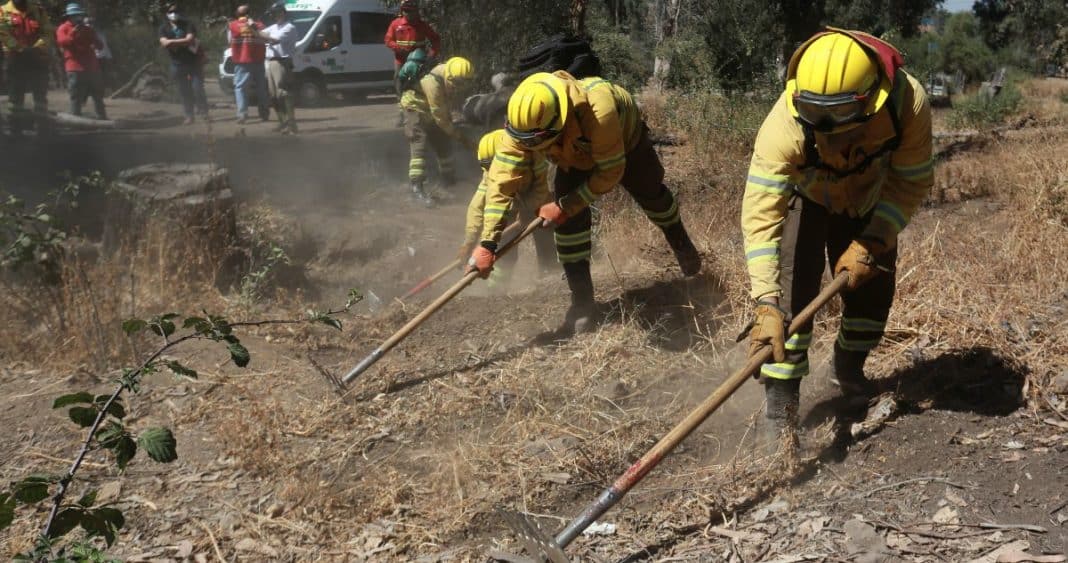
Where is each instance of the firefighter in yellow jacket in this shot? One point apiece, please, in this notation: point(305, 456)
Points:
point(594, 133)
point(428, 123)
point(485, 216)
point(840, 165)
point(25, 36)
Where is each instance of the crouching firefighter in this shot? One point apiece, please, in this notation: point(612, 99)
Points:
point(840, 165)
point(595, 134)
point(490, 211)
point(428, 104)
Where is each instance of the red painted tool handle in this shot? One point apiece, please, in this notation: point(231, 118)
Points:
point(438, 303)
point(654, 456)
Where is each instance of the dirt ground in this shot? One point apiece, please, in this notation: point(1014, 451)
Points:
point(487, 408)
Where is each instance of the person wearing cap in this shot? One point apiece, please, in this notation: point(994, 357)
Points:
point(79, 42)
point(178, 35)
point(428, 125)
point(840, 165)
point(406, 33)
point(25, 32)
point(281, 37)
point(248, 50)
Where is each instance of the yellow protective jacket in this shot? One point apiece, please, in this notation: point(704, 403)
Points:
point(603, 124)
point(892, 187)
point(491, 208)
point(433, 100)
point(35, 21)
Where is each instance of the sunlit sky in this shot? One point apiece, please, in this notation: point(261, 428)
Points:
point(958, 5)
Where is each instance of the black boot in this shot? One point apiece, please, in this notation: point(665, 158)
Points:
point(847, 373)
point(420, 195)
point(580, 316)
point(780, 415)
point(685, 252)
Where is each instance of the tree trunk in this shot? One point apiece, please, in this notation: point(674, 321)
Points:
point(578, 17)
point(667, 17)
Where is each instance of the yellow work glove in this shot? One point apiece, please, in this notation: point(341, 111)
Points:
point(859, 260)
point(768, 329)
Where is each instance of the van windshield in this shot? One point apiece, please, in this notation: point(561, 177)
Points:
point(303, 20)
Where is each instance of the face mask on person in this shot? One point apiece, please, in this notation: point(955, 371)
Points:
point(172, 16)
point(77, 20)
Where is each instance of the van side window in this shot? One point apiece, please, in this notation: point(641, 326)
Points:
point(368, 27)
point(327, 35)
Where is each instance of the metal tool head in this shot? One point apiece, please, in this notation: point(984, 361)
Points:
point(334, 380)
point(541, 546)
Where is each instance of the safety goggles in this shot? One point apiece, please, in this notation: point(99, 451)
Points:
point(827, 113)
point(534, 138)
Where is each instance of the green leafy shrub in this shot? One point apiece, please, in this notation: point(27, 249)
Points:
point(981, 111)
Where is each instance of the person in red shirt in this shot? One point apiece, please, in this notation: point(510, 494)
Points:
point(79, 43)
point(407, 33)
point(248, 50)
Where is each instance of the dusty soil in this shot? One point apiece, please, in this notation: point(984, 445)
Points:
point(486, 407)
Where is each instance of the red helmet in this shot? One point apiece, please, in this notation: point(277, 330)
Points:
point(409, 5)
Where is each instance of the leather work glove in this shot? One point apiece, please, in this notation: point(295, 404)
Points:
point(552, 214)
point(768, 328)
point(859, 261)
point(482, 260)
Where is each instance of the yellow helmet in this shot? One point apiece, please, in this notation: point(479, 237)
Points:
point(458, 68)
point(487, 147)
point(834, 83)
point(537, 110)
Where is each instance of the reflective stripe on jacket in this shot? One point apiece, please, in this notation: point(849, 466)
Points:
point(603, 124)
point(404, 36)
point(891, 188)
point(432, 98)
point(524, 173)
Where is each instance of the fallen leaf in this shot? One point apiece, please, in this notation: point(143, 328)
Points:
point(1017, 556)
point(956, 499)
point(1055, 422)
point(864, 542)
point(600, 529)
point(558, 478)
point(812, 527)
point(946, 515)
point(992, 557)
point(736, 535)
point(109, 492)
point(249, 544)
point(184, 549)
point(1013, 457)
point(1014, 445)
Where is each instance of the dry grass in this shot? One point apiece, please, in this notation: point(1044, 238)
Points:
point(470, 415)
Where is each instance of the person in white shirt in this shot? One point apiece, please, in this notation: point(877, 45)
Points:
point(281, 43)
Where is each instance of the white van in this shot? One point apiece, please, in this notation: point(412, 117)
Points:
point(341, 48)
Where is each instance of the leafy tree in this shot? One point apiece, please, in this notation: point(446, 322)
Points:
point(962, 49)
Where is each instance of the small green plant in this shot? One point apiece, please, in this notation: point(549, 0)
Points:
point(103, 416)
point(982, 111)
point(254, 283)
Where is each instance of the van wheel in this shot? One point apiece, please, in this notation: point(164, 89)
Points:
point(311, 92)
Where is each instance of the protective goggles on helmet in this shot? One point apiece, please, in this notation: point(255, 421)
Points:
point(827, 113)
point(533, 138)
